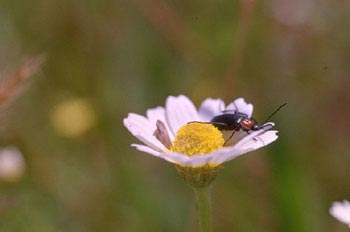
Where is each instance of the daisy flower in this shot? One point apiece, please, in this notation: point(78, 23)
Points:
point(183, 135)
point(341, 211)
point(196, 142)
point(176, 119)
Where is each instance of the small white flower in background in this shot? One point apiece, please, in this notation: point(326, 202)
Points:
point(341, 211)
point(167, 133)
point(12, 164)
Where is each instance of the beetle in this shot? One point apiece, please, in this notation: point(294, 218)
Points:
point(235, 122)
point(238, 121)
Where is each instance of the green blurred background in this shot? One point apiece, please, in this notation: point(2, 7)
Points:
point(108, 58)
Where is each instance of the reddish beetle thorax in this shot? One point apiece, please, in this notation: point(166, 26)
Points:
point(247, 123)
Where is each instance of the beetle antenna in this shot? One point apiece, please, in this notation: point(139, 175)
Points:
point(274, 112)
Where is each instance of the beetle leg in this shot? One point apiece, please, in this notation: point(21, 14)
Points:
point(233, 132)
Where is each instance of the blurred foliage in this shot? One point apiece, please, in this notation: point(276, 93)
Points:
point(127, 56)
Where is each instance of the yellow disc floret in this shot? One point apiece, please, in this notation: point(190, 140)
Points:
point(197, 139)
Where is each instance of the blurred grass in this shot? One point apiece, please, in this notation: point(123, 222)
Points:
point(127, 56)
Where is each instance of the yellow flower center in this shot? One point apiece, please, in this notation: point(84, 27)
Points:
point(197, 139)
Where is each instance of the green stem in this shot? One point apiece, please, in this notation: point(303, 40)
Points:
point(203, 209)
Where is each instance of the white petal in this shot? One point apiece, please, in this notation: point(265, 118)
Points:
point(179, 111)
point(341, 211)
point(190, 161)
point(253, 134)
point(172, 157)
point(146, 149)
point(142, 129)
point(225, 154)
point(198, 160)
point(240, 105)
point(175, 157)
point(251, 142)
point(158, 113)
point(215, 158)
point(210, 108)
point(259, 141)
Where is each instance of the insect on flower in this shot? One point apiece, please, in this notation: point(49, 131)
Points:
point(238, 121)
point(171, 132)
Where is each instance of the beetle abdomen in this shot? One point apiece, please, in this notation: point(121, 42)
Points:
point(228, 121)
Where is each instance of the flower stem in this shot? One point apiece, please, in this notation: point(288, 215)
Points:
point(203, 208)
